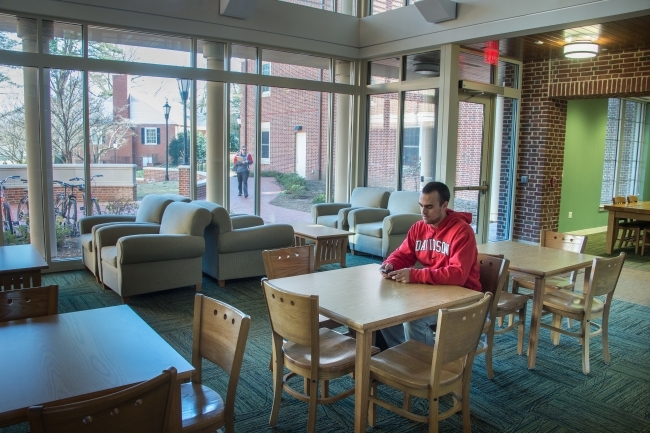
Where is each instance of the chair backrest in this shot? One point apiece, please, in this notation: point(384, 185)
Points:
point(404, 202)
point(152, 207)
point(493, 274)
point(604, 275)
point(184, 219)
point(293, 317)
point(220, 217)
point(369, 197)
point(458, 332)
point(618, 199)
point(564, 241)
point(28, 303)
point(178, 197)
point(143, 408)
point(632, 198)
point(288, 262)
point(219, 334)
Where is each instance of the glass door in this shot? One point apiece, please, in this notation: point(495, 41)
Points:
point(473, 169)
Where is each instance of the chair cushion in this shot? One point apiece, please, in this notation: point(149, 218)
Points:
point(369, 197)
point(337, 352)
point(185, 219)
point(201, 407)
point(152, 208)
point(571, 302)
point(510, 302)
point(553, 283)
point(87, 241)
point(410, 364)
point(328, 220)
point(370, 229)
point(404, 202)
point(109, 255)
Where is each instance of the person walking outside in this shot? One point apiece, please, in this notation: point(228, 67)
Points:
point(242, 163)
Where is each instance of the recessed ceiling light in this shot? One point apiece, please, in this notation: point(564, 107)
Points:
point(581, 50)
point(539, 42)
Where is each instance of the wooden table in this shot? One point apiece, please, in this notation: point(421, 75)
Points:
point(76, 356)
point(636, 211)
point(363, 300)
point(539, 263)
point(331, 244)
point(20, 266)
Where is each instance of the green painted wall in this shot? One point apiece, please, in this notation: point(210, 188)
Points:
point(584, 154)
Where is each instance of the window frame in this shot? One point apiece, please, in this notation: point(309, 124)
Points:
point(148, 129)
point(265, 127)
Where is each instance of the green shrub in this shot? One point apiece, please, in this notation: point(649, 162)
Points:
point(121, 207)
point(320, 198)
point(294, 189)
point(63, 230)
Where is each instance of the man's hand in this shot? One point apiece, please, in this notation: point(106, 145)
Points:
point(386, 269)
point(401, 276)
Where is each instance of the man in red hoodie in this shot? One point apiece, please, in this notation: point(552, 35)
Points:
point(444, 243)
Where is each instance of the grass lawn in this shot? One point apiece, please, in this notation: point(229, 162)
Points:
point(165, 187)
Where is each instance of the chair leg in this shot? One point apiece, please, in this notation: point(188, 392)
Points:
point(521, 326)
point(467, 423)
point(488, 353)
point(278, 368)
point(372, 407)
point(636, 242)
point(313, 404)
point(557, 323)
point(198, 287)
point(221, 283)
point(406, 402)
point(324, 388)
point(306, 386)
point(433, 415)
point(585, 346)
point(605, 338)
point(126, 299)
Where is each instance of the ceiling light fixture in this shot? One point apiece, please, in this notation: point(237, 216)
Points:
point(429, 69)
point(581, 50)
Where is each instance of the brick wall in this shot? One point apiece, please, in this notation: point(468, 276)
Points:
point(102, 193)
point(546, 86)
point(184, 180)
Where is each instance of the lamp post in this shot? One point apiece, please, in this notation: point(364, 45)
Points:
point(184, 90)
point(167, 108)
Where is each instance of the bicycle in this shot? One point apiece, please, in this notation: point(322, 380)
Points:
point(22, 213)
point(94, 203)
point(65, 206)
point(7, 223)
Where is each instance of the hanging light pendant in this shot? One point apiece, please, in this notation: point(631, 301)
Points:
point(581, 50)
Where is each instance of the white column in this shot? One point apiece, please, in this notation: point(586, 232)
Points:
point(215, 182)
point(342, 114)
point(496, 158)
point(37, 198)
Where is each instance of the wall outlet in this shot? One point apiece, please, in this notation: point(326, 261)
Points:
point(570, 214)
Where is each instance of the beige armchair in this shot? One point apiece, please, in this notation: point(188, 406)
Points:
point(143, 258)
point(380, 231)
point(150, 210)
point(233, 246)
point(335, 215)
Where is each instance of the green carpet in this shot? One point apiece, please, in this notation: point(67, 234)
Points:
point(596, 246)
point(555, 397)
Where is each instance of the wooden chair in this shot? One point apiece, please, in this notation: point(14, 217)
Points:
point(317, 354)
point(627, 231)
point(292, 261)
point(432, 372)
point(560, 241)
point(219, 335)
point(586, 307)
point(494, 277)
point(28, 303)
point(143, 408)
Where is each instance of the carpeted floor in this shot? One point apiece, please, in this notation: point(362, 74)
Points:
point(555, 397)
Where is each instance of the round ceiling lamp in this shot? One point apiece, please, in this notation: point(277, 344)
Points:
point(581, 50)
point(428, 69)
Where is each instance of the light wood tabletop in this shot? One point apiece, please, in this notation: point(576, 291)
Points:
point(76, 356)
point(20, 266)
point(540, 263)
point(331, 243)
point(635, 211)
point(362, 299)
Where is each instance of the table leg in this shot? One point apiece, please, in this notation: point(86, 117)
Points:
point(318, 247)
point(343, 250)
point(611, 235)
point(533, 338)
point(362, 381)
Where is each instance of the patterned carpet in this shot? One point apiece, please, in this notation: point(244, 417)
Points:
point(555, 397)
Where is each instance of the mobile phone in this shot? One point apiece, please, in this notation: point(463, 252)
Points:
point(384, 271)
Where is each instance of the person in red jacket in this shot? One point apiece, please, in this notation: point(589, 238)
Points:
point(444, 243)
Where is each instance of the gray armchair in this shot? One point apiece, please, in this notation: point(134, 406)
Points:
point(150, 210)
point(233, 246)
point(335, 215)
point(380, 231)
point(143, 258)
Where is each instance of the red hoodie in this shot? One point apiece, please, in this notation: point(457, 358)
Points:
point(447, 252)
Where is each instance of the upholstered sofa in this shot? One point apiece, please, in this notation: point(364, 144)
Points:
point(150, 210)
point(143, 258)
point(335, 215)
point(380, 231)
point(233, 246)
